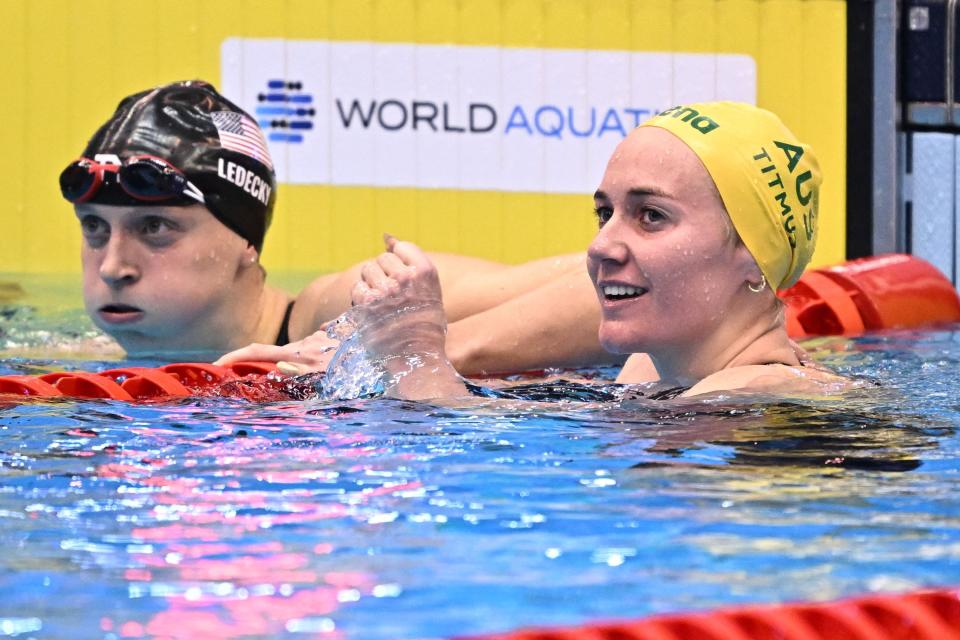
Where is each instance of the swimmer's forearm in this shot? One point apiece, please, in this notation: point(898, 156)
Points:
point(532, 332)
point(423, 377)
point(507, 351)
point(482, 290)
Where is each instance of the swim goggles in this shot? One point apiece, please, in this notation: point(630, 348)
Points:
point(142, 177)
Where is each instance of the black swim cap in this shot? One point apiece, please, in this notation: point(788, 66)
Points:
point(215, 143)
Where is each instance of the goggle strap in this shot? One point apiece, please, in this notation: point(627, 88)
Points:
point(191, 191)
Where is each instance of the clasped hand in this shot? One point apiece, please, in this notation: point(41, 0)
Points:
point(398, 311)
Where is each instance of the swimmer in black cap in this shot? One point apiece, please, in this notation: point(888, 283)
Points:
point(174, 194)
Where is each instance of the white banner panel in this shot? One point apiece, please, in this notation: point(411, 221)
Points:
point(458, 117)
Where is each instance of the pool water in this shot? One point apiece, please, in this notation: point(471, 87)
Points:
point(379, 519)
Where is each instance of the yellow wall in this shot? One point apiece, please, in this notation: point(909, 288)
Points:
point(69, 62)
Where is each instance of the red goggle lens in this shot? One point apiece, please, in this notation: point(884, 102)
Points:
point(79, 180)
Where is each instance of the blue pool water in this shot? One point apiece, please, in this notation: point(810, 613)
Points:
point(378, 519)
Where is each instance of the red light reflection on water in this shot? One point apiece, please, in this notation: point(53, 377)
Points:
point(196, 542)
point(251, 616)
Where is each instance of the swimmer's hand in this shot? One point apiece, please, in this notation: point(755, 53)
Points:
point(310, 355)
point(805, 358)
point(402, 325)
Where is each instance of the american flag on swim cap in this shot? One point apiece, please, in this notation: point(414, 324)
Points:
point(241, 134)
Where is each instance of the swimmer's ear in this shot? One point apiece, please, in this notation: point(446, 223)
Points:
point(250, 255)
point(747, 266)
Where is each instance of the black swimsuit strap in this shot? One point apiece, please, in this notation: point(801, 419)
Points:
point(283, 337)
point(667, 394)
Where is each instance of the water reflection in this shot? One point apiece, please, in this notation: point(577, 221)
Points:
point(378, 519)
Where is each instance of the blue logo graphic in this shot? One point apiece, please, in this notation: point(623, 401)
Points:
point(284, 111)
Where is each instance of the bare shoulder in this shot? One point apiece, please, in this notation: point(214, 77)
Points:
point(320, 288)
point(773, 378)
point(325, 298)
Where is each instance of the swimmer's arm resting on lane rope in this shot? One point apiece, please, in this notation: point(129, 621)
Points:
point(329, 295)
point(554, 325)
point(538, 315)
point(548, 322)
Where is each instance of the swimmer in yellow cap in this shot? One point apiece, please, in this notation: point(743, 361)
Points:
point(703, 211)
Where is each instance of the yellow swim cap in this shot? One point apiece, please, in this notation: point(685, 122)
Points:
point(769, 180)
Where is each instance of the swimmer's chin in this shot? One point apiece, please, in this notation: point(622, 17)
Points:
point(618, 347)
point(139, 341)
point(148, 349)
point(614, 339)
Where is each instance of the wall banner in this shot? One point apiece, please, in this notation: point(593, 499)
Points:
point(460, 117)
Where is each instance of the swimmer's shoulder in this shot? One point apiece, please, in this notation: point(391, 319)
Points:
point(325, 298)
point(772, 378)
point(638, 368)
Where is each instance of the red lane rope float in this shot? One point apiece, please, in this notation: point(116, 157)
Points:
point(883, 292)
point(922, 615)
point(27, 386)
point(79, 384)
point(198, 374)
point(141, 383)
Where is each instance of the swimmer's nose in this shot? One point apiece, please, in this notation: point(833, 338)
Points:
point(117, 269)
point(607, 245)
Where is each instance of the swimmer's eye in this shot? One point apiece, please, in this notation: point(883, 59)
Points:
point(652, 217)
point(154, 225)
point(95, 230)
point(603, 215)
point(158, 232)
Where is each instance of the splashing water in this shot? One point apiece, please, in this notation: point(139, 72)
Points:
point(351, 373)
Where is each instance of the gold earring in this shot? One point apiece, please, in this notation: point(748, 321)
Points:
point(760, 287)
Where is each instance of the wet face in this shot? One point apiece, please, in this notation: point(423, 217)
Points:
point(666, 262)
point(155, 277)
